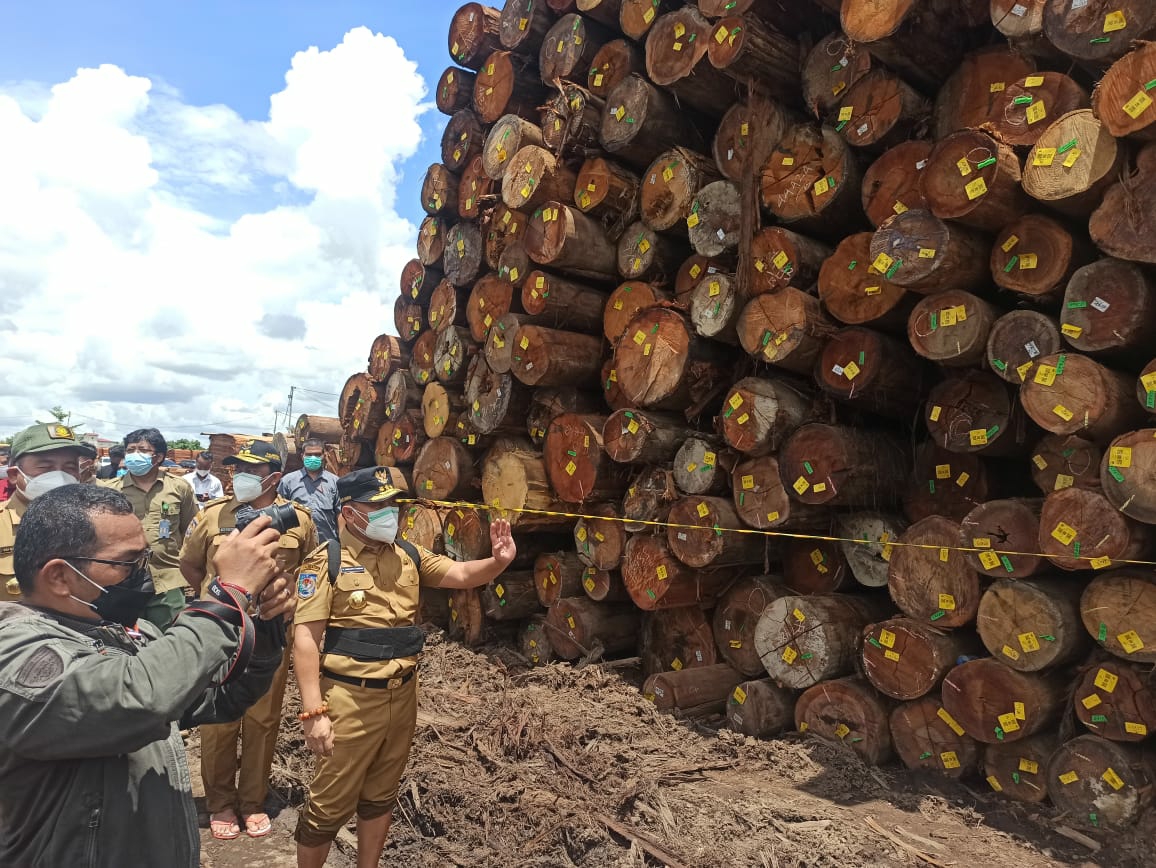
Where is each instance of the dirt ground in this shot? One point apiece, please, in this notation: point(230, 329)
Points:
point(557, 766)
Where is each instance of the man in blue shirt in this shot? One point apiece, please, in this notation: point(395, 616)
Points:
point(314, 488)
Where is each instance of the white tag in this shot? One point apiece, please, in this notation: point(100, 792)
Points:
point(653, 178)
point(919, 166)
point(1019, 10)
point(682, 536)
point(1032, 349)
point(843, 61)
point(838, 370)
point(529, 366)
point(1078, 4)
point(726, 625)
point(1099, 304)
point(730, 153)
point(721, 235)
point(711, 270)
point(861, 130)
point(698, 656)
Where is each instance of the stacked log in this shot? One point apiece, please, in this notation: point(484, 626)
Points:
point(777, 400)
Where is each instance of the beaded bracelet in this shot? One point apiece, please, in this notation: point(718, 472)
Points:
point(317, 712)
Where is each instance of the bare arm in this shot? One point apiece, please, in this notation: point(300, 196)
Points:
point(307, 661)
point(194, 571)
point(473, 574)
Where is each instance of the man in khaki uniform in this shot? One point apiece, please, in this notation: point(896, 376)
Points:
point(50, 453)
point(257, 730)
point(165, 505)
point(355, 650)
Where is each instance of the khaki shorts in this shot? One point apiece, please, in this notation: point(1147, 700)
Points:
point(372, 733)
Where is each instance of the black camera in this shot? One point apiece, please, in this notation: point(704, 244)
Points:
point(284, 516)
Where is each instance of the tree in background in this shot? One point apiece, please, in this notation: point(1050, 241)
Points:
point(185, 443)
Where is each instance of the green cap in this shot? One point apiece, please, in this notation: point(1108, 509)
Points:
point(47, 438)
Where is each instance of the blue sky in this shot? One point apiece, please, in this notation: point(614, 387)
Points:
point(234, 52)
point(206, 154)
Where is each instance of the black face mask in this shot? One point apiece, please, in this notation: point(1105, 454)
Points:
point(123, 602)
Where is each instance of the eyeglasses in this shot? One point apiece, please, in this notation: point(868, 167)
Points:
point(138, 564)
point(129, 450)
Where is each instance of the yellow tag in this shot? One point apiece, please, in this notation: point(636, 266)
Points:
point(990, 560)
point(744, 129)
point(720, 35)
point(947, 317)
point(789, 655)
point(632, 427)
point(993, 781)
point(935, 411)
point(873, 290)
point(821, 186)
point(1063, 412)
point(740, 695)
point(846, 112)
point(1091, 700)
point(851, 370)
point(1045, 375)
point(1010, 652)
point(646, 349)
point(1106, 680)
point(978, 437)
point(1044, 157)
point(788, 161)
point(975, 189)
point(1029, 642)
point(1036, 112)
point(1028, 261)
point(581, 534)
point(1073, 155)
point(1069, 778)
point(676, 664)
point(667, 174)
point(1012, 241)
point(570, 468)
point(1130, 642)
point(882, 263)
point(943, 555)
point(499, 591)
point(838, 88)
point(898, 207)
point(1137, 105)
point(950, 721)
point(1071, 331)
point(886, 638)
point(679, 29)
point(1008, 722)
point(618, 304)
point(1064, 481)
point(620, 112)
point(1030, 766)
point(648, 15)
point(1020, 711)
point(891, 655)
point(748, 482)
point(692, 220)
point(964, 166)
point(561, 46)
point(1033, 81)
point(1064, 534)
point(949, 759)
point(703, 510)
point(708, 459)
point(677, 46)
point(524, 343)
point(781, 259)
point(1135, 728)
point(946, 601)
point(589, 584)
point(1114, 21)
point(981, 542)
point(1023, 370)
point(997, 87)
point(715, 289)
point(1120, 456)
point(801, 485)
point(1112, 779)
point(943, 471)
point(926, 253)
point(660, 571)
point(962, 479)
point(639, 337)
point(525, 191)
point(454, 49)
point(1148, 381)
point(772, 516)
point(842, 730)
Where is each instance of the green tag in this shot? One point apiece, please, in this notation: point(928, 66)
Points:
point(1007, 565)
point(1060, 363)
point(1103, 634)
point(807, 466)
point(1022, 100)
point(1011, 263)
point(931, 485)
point(1115, 471)
point(1099, 718)
point(1075, 305)
point(990, 161)
point(1076, 548)
point(854, 262)
point(934, 320)
point(1066, 146)
point(894, 268)
point(938, 615)
point(1001, 366)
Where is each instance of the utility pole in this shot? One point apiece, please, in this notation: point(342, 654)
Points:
point(289, 409)
point(276, 415)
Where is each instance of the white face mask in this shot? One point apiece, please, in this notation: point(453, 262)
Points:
point(34, 486)
point(247, 487)
point(381, 526)
point(202, 473)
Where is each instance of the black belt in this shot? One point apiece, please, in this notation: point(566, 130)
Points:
point(376, 683)
point(374, 643)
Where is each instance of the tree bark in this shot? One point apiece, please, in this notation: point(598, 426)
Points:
point(1117, 609)
point(1113, 99)
point(1021, 112)
point(463, 256)
point(833, 65)
point(869, 554)
point(524, 24)
point(625, 302)
point(443, 469)
point(786, 329)
point(967, 99)
point(462, 140)
point(835, 465)
point(474, 34)
point(578, 467)
point(616, 60)
point(951, 328)
point(784, 258)
point(642, 120)
point(1080, 32)
point(576, 625)
point(565, 239)
point(878, 111)
point(674, 639)
point(1035, 257)
point(1127, 471)
point(706, 532)
point(557, 575)
point(1019, 771)
point(1033, 624)
point(676, 58)
point(511, 596)
point(700, 690)
point(643, 436)
point(1116, 700)
point(455, 90)
point(1006, 532)
point(815, 567)
point(600, 540)
point(569, 48)
point(506, 137)
point(1062, 461)
point(760, 708)
point(1110, 311)
point(644, 254)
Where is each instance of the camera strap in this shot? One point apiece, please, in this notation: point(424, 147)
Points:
point(228, 606)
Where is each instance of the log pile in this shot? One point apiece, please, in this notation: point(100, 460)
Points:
point(810, 354)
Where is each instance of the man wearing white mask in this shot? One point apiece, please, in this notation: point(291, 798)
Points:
point(235, 793)
point(41, 458)
point(205, 485)
point(165, 506)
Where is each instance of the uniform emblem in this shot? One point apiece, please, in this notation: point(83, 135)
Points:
point(306, 585)
point(59, 432)
point(357, 600)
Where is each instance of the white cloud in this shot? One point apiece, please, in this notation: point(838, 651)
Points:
point(177, 265)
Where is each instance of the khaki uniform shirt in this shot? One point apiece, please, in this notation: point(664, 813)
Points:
point(11, 511)
point(219, 518)
point(377, 587)
point(165, 511)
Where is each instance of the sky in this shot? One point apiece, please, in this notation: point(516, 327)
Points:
point(204, 204)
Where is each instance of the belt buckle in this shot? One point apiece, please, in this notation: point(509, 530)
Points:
point(394, 683)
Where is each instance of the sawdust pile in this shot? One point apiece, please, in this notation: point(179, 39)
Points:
point(563, 766)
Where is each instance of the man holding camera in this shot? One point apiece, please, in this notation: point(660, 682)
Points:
point(355, 649)
point(256, 472)
point(92, 766)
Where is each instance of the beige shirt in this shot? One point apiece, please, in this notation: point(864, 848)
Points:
point(165, 511)
point(377, 587)
point(11, 511)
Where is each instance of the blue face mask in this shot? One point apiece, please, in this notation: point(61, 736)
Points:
point(312, 462)
point(138, 463)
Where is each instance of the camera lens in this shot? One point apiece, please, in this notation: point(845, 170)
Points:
point(283, 516)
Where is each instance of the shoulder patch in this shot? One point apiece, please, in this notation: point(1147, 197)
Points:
point(45, 666)
point(306, 585)
point(192, 525)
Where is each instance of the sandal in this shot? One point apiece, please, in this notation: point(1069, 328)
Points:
point(224, 829)
point(258, 825)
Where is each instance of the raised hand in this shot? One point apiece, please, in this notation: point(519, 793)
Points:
point(502, 542)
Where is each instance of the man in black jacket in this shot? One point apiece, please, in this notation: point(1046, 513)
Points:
point(92, 767)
